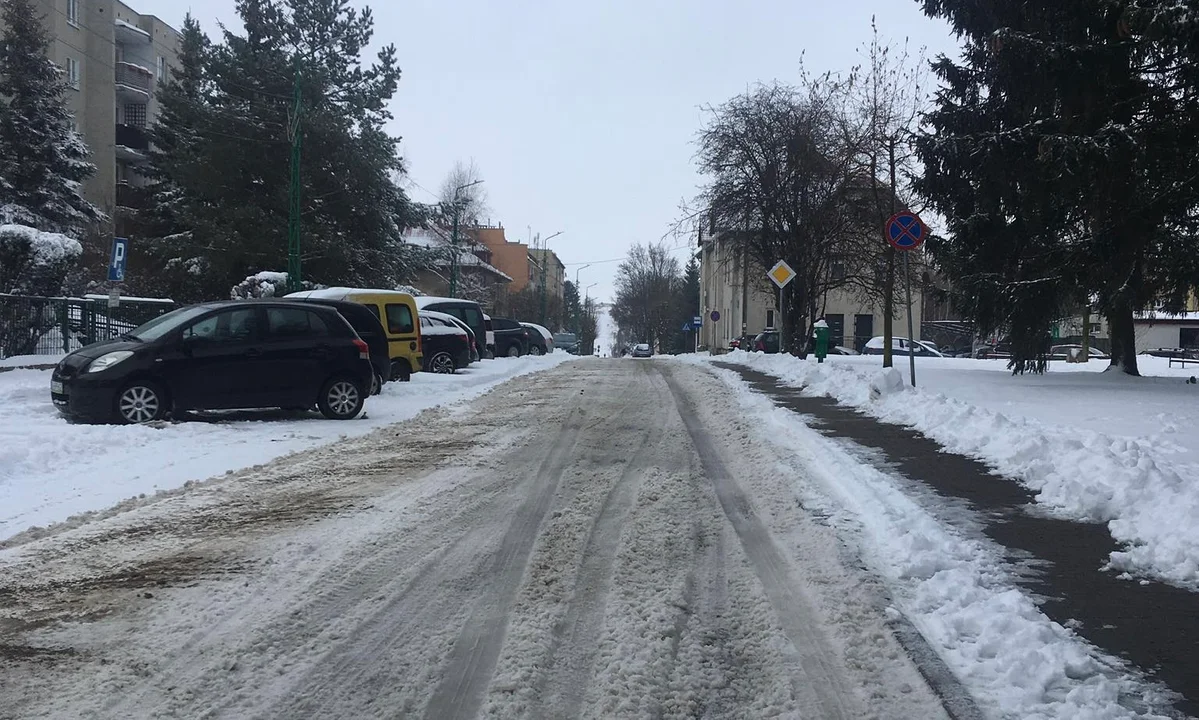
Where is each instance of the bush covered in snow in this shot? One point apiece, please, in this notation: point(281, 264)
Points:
point(265, 284)
point(34, 262)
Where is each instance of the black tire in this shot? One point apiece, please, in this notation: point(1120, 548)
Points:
point(376, 384)
point(536, 350)
point(442, 364)
point(400, 371)
point(341, 399)
point(513, 351)
point(140, 402)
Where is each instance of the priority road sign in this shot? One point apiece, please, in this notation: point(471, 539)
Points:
point(781, 274)
point(906, 231)
point(116, 262)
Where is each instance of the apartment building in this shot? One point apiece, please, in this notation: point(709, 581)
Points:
point(555, 272)
point(114, 59)
point(737, 288)
point(510, 257)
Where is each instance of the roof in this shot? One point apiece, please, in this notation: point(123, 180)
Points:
point(1164, 317)
point(340, 293)
point(427, 239)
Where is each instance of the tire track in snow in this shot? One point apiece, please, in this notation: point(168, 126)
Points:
point(572, 653)
point(472, 659)
point(826, 685)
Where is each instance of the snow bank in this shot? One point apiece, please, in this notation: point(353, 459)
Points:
point(1148, 501)
point(953, 588)
point(51, 470)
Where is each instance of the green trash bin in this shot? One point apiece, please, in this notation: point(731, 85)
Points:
point(820, 330)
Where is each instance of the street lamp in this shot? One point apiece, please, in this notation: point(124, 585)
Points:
point(586, 302)
point(454, 239)
point(578, 299)
point(545, 263)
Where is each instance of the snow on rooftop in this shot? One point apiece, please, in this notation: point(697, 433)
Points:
point(1165, 317)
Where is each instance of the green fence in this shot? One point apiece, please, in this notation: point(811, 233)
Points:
point(55, 326)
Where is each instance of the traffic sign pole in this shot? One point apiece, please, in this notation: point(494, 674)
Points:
point(780, 275)
point(906, 231)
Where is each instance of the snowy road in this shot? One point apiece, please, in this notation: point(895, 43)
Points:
point(603, 539)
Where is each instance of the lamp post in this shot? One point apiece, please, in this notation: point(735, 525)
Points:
point(454, 239)
point(586, 302)
point(578, 296)
point(545, 263)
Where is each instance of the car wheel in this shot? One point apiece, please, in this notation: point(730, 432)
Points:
point(376, 383)
point(400, 371)
point(341, 399)
point(513, 351)
point(535, 350)
point(141, 402)
point(442, 363)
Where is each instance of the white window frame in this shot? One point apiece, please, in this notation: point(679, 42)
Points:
point(73, 72)
point(73, 12)
point(770, 318)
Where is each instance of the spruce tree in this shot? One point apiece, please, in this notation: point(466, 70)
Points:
point(1061, 155)
point(223, 150)
point(43, 161)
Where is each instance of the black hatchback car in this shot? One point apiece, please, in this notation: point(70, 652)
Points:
point(220, 356)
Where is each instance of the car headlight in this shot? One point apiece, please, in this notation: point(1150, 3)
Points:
point(106, 361)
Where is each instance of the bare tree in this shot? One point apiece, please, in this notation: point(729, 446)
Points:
point(783, 167)
point(646, 285)
point(471, 199)
point(889, 98)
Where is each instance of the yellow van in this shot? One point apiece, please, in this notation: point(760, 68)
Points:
point(397, 312)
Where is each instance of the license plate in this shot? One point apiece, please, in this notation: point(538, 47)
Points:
point(57, 388)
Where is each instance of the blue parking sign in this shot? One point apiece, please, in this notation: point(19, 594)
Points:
point(116, 263)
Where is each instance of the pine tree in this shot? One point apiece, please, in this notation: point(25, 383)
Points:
point(1061, 156)
point(43, 161)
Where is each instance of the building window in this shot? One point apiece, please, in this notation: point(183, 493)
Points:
point(73, 12)
point(162, 69)
point(135, 115)
point(770, 318)
point(73, 72)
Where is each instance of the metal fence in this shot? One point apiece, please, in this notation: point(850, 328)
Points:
point(54, 326)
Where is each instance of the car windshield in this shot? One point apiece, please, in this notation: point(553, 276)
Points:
point(565, 338)
point(163, 324)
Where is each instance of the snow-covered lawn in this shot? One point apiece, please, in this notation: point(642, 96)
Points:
point(51, 470)
point(1094, 446)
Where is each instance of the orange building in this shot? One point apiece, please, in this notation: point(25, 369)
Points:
point(512, 258)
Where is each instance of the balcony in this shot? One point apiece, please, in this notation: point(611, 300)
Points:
point(134, 82)
point(126, 33)
point(131, 197)
point(133, 137)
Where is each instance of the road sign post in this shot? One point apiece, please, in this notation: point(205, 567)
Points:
point(906, 232)
point(780, 275)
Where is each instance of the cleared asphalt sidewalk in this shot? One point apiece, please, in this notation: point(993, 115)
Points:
point(1153, 626)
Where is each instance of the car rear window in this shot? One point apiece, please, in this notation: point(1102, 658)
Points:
point(472, 316)
point(294, 322)
point(399, 319)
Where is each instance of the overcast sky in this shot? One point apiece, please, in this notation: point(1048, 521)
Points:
point(582, 116)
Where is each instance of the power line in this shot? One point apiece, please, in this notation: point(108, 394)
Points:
point(626, 257)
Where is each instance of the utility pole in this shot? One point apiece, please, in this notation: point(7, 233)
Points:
point(295, 134)
point(545, 264)
point(889, 282)
point(454, 238)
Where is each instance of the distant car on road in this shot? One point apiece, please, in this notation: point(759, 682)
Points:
point(567, 342)
point(766, 341)
point(899, 346)
point(447, 342)
point(220, 356)
point(642, 350)
point(511, 340)
point(1066, 352)
point(541, 340)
